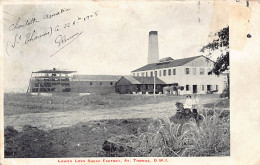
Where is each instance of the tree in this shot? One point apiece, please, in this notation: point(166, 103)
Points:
point(220, 43)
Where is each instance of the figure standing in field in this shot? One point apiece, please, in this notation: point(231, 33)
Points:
point(195, 105)
point(188, 103)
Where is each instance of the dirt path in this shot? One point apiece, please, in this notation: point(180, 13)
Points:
point(53, 120)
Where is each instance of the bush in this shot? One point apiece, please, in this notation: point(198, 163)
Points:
point(210, 137)
point(225, 93)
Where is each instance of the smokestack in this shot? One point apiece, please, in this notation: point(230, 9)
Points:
point(153, 50)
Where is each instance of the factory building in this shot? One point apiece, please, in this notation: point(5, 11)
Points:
point(191, 73)
point(57, 81)
point(94, 83)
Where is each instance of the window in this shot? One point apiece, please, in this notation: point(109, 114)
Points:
point(100, 83)
point(174, 72)
point(169, 72)
point(146, 74)
point(194, 71)
point(111, 83)
point(150, 86)
point(142, 74)
point(187, 70)
point(90, 83)
point(137, 74)
point(164, 72)
point(133, 74)
point(216, 87)
point(202, 87)
point(155, 73)
point(151, 74)
point(202, 71)
point(160, 73)
point(187, 87)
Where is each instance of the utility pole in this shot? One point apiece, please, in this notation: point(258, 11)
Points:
point(154, 85)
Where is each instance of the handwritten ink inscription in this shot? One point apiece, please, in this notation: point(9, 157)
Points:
point(49, 16)
point(18, 24)
point(22, 36)
point(61, 39)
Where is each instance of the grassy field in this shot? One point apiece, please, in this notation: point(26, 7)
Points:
point(26, 103)
point(96, 138)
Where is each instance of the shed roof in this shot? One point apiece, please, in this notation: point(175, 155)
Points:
point(143, 80)
point(96, 77)
point(132, 79)
point(167, 64)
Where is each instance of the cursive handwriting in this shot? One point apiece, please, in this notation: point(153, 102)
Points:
point(34, 36)
point(28, 35)
point(16, 40)
point(49, 16)
point(61, 39)
point(18, 25)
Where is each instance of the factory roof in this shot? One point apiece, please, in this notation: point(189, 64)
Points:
point(96, 77)
point(167, 63)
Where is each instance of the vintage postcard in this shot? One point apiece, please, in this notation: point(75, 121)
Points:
point(130, 82)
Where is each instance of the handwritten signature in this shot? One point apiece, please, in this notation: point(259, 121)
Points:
point(63, 39)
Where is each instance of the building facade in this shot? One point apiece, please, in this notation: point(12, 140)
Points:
point(94, 83)
point(191, 73)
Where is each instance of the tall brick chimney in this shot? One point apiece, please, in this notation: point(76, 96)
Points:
point(153, 50)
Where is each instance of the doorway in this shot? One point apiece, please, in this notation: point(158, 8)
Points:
point(194, 89)
point(208, 87)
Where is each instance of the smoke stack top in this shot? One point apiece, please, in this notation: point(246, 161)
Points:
point(153, 50)
point(153, 32)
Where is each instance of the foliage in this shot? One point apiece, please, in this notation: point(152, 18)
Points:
point(209, 137)
point(222, 41)
point(225, 93)
point(222, 44)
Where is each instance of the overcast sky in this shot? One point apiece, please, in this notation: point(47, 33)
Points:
point(113, 41)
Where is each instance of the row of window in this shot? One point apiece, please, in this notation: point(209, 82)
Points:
point(173, 72)
point(100, 83)
point(202, 87)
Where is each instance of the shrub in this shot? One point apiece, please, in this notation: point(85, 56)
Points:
point(210, 137)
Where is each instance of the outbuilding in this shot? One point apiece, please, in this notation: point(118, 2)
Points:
point(131, 84)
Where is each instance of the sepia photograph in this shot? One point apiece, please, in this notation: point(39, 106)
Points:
point(116, 79)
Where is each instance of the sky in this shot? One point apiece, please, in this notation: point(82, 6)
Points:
point(114, 41)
